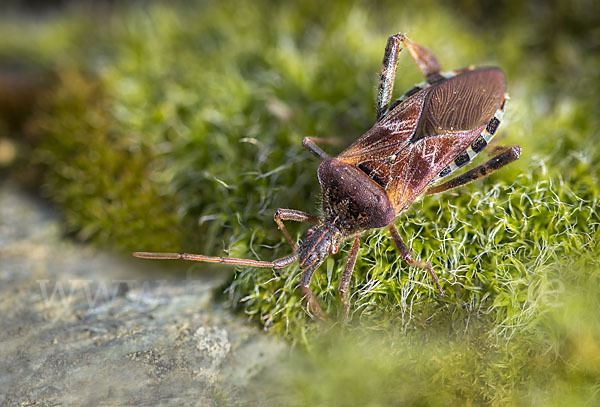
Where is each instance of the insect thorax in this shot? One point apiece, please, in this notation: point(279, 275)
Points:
point(352, 201)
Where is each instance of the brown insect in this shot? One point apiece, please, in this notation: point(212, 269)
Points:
point(432, 130)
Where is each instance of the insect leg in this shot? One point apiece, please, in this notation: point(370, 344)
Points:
point(309, 144)
point(291, 214)
point(407, 256)
point(313, 304)
point(425, 60)
point(493, 148)
point(388, 74)
point(348, 269)
point(507, 155)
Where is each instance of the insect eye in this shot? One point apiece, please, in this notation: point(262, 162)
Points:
point(333, 249)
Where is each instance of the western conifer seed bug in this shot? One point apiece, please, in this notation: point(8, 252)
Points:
point(435, 128)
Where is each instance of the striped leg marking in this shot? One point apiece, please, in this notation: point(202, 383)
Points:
point(504, 157)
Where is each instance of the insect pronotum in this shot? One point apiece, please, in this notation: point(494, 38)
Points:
point(432, 130)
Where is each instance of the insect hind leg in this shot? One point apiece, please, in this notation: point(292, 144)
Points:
point(388, 74)
point(506, 156)
point(425, 60)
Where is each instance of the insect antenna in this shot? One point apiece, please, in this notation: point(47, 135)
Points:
point(276, 264)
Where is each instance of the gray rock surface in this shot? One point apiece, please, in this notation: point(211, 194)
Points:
point(80, 327)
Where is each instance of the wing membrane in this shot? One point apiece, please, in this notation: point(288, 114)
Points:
point(461, 103)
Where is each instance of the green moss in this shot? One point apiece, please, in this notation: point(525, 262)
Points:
point(554, 362)
point(97, 175)
point(185, 133)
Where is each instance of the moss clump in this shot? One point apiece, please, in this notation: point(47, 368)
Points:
point(554, 361)
point(91, 168)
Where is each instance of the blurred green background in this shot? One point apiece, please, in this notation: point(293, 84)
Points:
point(177, 126)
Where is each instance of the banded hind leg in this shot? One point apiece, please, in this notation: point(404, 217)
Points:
point(407, 256)
point(388, 75)
point(507, 155)
point(425, 60)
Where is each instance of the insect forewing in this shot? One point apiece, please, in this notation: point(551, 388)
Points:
point(409, 147)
